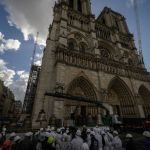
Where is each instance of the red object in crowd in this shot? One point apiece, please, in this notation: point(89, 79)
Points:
point(7, 144)
point(147, 122)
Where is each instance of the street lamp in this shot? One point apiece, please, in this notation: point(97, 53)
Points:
point(41, 117)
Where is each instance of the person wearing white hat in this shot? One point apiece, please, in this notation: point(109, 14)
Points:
point(129, 143)
point(58, 135)
point(94, 142)
point(4, 131)
point(26, 143)
point(63, 144)
point(76, 143)
point(12, 135)
point(146, 134)
point(116, 142)
point(88, 137)
point(16, 144)
point(98, 136)
point(106, 142)
point(85, 145)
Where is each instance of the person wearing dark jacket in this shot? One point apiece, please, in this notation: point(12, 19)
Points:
point(94, 142)
point(16, 144)
point(27, 144)
point(130, 144)
point(146, 134)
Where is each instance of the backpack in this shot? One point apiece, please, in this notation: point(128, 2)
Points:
point(50, 140)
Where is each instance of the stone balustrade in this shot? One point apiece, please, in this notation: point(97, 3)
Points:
point(103, 32)
point(94, 62)
point(78, 20)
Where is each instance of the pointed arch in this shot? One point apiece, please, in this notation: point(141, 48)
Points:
point(83, 47)
point(145, 97)
point(106, 49)
point(81, 87)
point(125, 102)
point(84, 85)
point(72, 44)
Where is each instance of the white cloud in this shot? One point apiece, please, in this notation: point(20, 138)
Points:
point(6, 74)
point(15, 80)
point(130, 3)
point(9, 44)
point(19, 85)
point(30, 16)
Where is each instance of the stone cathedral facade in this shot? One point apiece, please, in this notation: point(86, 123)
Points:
point(94, 58)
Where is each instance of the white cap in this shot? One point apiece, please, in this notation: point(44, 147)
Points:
point(88, 131)
point(93, 133)
point(17, 138)
point(78, 133)
point(36, 133)
point(4, 129)
point(67, 131)
point(115, 132)
point(129, 135)
point(28, 134)
point(48, 128)
point(146, 133)
point(41, 129)
point(13, 134)
point(58, 130)
point(52, 128)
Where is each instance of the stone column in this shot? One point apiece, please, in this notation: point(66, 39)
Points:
point(139, 103)
point(84, 7)
point(75, 5)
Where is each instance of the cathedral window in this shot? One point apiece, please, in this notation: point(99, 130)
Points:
point(117, 24)
point(103, 21)
point(130, 62)
point(79, 6)
point(71, 44)
point(82, 47)
point(104, 53)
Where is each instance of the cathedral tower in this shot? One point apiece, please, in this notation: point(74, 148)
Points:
point(94, 58)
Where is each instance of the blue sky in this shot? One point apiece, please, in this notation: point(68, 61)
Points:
point(21, 20)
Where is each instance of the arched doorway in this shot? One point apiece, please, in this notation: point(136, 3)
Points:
point(145, 97)
point(80, 111)
point(121, 99)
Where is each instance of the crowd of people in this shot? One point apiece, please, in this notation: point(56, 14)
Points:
point(97, 138)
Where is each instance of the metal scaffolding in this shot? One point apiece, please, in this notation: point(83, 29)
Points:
point(31, 89)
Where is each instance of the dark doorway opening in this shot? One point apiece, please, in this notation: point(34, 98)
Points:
point(79, 6)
